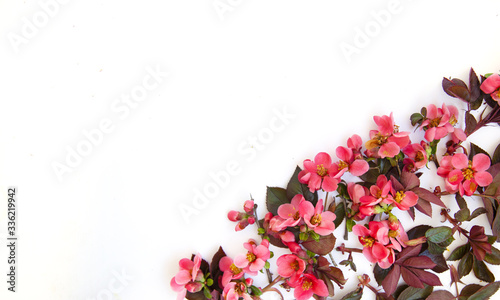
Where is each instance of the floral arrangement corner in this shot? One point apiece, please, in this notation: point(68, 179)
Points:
point(387, 179)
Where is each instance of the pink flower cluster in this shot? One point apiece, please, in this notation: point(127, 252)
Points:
point(464, 176)
point(243, 218)
point(380, 240)
point(491, 85)
point(189, 278)
point(439, 123)
point(387, 141)
point(382, 197)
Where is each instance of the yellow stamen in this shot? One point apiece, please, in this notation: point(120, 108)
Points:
point(251, 257)
point(399, 196)
point(234, 269)
point(306, 285)
point(321, 171)
point(367, 241)
point(343, 165)
point(316, 219)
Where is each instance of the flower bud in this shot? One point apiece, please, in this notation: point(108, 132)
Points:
point(248, 207)
point(234, 216)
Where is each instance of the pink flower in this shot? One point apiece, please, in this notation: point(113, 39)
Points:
point(439, 121)
point(374, 240)
point(315, 218)
point(308, 285)
point(256, 257)
point(189, 278)
point(397, 235)
point(355, 143)
point(380, 192)
point(417, 154)
point(463, 175)
point(491, 85)
point(290, 266)
point(237, 290)
point(318, 174)
point(290, 211)
point(387, 141)
point(356, 167)
point(231, 271)
point(243, 218)
point(404, 199)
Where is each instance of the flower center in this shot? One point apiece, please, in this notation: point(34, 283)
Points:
point(393, 233)
point(367, 241)
point(399, 196)
point(435, 122)
point(251, 257)
point(419, 156)
point(240, 288)
point(321, 171)
point(343, 165)
point(468, 173)
point(306, 285)
point(316, 219)
point(234, 269)
point(296, 216)
point(295, 265)
point(453, 120)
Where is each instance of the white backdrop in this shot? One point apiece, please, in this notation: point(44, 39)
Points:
point(115, 114)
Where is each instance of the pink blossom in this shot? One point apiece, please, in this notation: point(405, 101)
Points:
point(463, 175)
point(348, 162)
point(356, 191)
point(231, 271)
point(387, 141)
point(237, 290)
point(290, 266)
point(318, 174)
point(417, 154)
point(290, 211)
point(491, 85)
point(189, 278)
point(256, 257)
point(380, 192)
point(397, 235)
point(374, 240)
point(355, 143)
point(439, 121)
point(243, 218)
point(315, 218)
point(308, 285)
point(404, 199)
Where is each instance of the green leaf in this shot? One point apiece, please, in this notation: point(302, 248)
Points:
point(339, 214)
point(324, 246)
point(255, 290)
point(460, 201)
point(465, 265)
point(475, 149)
point(496, 156)
point(294, 187)
point(274, 198)
point(411, 293)
point(462, 215)
point(459, 252)
point(439, 234)
point(435, 248)
point(350, 224)
point(486, 292)
point(354, 295)
point(482, 272)
point(476, 213)
point(416, 118)
point(493, 257)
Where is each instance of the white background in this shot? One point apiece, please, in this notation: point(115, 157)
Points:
point(118, 208)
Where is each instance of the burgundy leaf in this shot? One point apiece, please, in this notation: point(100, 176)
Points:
point(427, 277)
point(396, 184)
point(474, 85)
point(411, 279)
point(409, 180)
point(460, 92)
point(391, 280)
point(424, 207)
point(408, 252)
point(419, 262)
point(428, 196)
point(324, 246)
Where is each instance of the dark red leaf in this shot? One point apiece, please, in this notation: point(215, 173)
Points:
point(428, 196)
point(324, 246)
point(424, 207)
point(396, 184)
point(470, 123)
point(391, 280)
point(409, 180)
point(427, 277)
point(419, 262)
point(411, 279)
point(486, 292)
point(408, 252)
point(460, 92)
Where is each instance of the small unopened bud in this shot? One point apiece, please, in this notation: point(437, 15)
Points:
point(234, 216)
point(251, 220)
point(248, 207)
point(416, 241)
